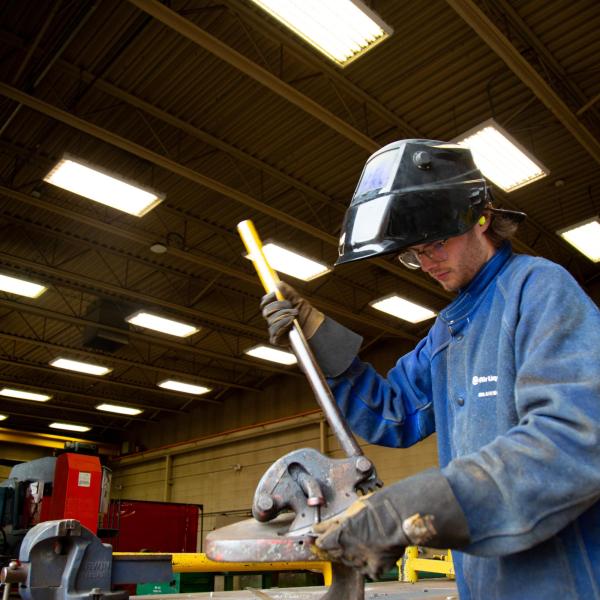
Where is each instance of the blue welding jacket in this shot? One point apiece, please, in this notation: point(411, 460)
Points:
point(509, 378)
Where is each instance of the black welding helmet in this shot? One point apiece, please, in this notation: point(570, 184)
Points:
point(413, 192)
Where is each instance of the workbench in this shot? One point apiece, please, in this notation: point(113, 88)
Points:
point(391, 590)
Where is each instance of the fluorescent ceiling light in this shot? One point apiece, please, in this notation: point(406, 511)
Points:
point(343, 30)
point(500, 157)
point(186, 388)
point(13, 285)
point(403, 309)
point(272, 354)
point(156, 323)
point(121, 410)
point(3, 417)
point(292, 263)
point(84, 179)
point(69, 427)
point(81, 367)
point(24, 395)
point(585, 237)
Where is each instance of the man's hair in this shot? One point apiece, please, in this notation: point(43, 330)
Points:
point(501, 228)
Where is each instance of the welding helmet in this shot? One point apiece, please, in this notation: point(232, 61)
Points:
point(414, 192)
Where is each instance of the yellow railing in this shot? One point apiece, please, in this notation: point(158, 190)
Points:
point(411, 564)
point(190, 562)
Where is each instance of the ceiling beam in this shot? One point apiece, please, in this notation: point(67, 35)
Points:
point(109, 382)
point(515, 61)
point(53, 389)
point(201, 38)
point(47, 440)
point(216, 186)
point(34, 413)
point(95, 286)
point(147, 239)
point(116, 360)
point(148, 339)
point(301, 53)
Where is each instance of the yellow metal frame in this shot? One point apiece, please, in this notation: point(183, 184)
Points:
point(411, 564)
point(190, 562)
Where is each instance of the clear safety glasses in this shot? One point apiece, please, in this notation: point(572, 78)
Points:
point(435, 251)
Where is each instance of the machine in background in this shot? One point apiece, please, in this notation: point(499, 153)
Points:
point(72, 485)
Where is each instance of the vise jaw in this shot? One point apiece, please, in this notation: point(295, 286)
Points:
point(62, 560)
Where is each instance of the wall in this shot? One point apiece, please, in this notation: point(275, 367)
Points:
point(223, 473)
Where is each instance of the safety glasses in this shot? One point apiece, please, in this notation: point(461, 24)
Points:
point(435, 251)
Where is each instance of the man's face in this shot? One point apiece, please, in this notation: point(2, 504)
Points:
point(463, 257)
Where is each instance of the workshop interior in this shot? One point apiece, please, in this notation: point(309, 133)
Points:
point(146, 420)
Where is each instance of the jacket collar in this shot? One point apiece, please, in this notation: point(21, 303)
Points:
point(470, 296)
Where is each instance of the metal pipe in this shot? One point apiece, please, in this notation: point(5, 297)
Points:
point(322, 392)
point(167, 487)
point(299, 344)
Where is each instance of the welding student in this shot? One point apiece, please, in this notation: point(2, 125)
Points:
point(508, 377)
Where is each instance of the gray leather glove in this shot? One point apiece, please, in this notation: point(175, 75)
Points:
point(280, 314)
point(372, 533)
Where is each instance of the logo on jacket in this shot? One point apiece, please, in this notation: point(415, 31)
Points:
point(479, 379)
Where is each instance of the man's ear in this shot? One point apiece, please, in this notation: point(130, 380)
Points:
point(484, 222)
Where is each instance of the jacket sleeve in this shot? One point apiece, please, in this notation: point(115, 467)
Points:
point(395, 411)
point(532, 481)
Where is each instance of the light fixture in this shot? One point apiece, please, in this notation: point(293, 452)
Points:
point(69, 427)
point(24, 395)
point(342, 30)
point(272, 354)
point(81, 367)
point(584, 236)
point(162, 324)
point(87, 180)
point(186, 388)
point(286, 261)
point(158, 248)
point(403, 309)
point(3, 417)
point(121, 410)
point(500, 157)
point(14, 285)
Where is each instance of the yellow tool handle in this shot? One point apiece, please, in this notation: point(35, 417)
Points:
point(267, 275)
point(299, 344)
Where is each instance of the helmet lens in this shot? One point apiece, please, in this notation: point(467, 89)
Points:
point(369, 221)
point(378, 174)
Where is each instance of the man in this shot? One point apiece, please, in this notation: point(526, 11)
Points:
point(508, 377)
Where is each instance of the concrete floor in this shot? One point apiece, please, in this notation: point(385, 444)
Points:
point(392, 590)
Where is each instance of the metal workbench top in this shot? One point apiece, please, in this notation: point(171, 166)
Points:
point(394, 590)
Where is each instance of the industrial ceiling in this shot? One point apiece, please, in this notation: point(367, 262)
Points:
point(232, 117)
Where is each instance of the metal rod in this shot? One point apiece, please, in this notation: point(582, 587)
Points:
point(299, 344)
point(6, 592)
point(322, 392)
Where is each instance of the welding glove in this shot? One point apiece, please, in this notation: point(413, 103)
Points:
point(372, 533)
point(333, 345)
point(279, 314)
